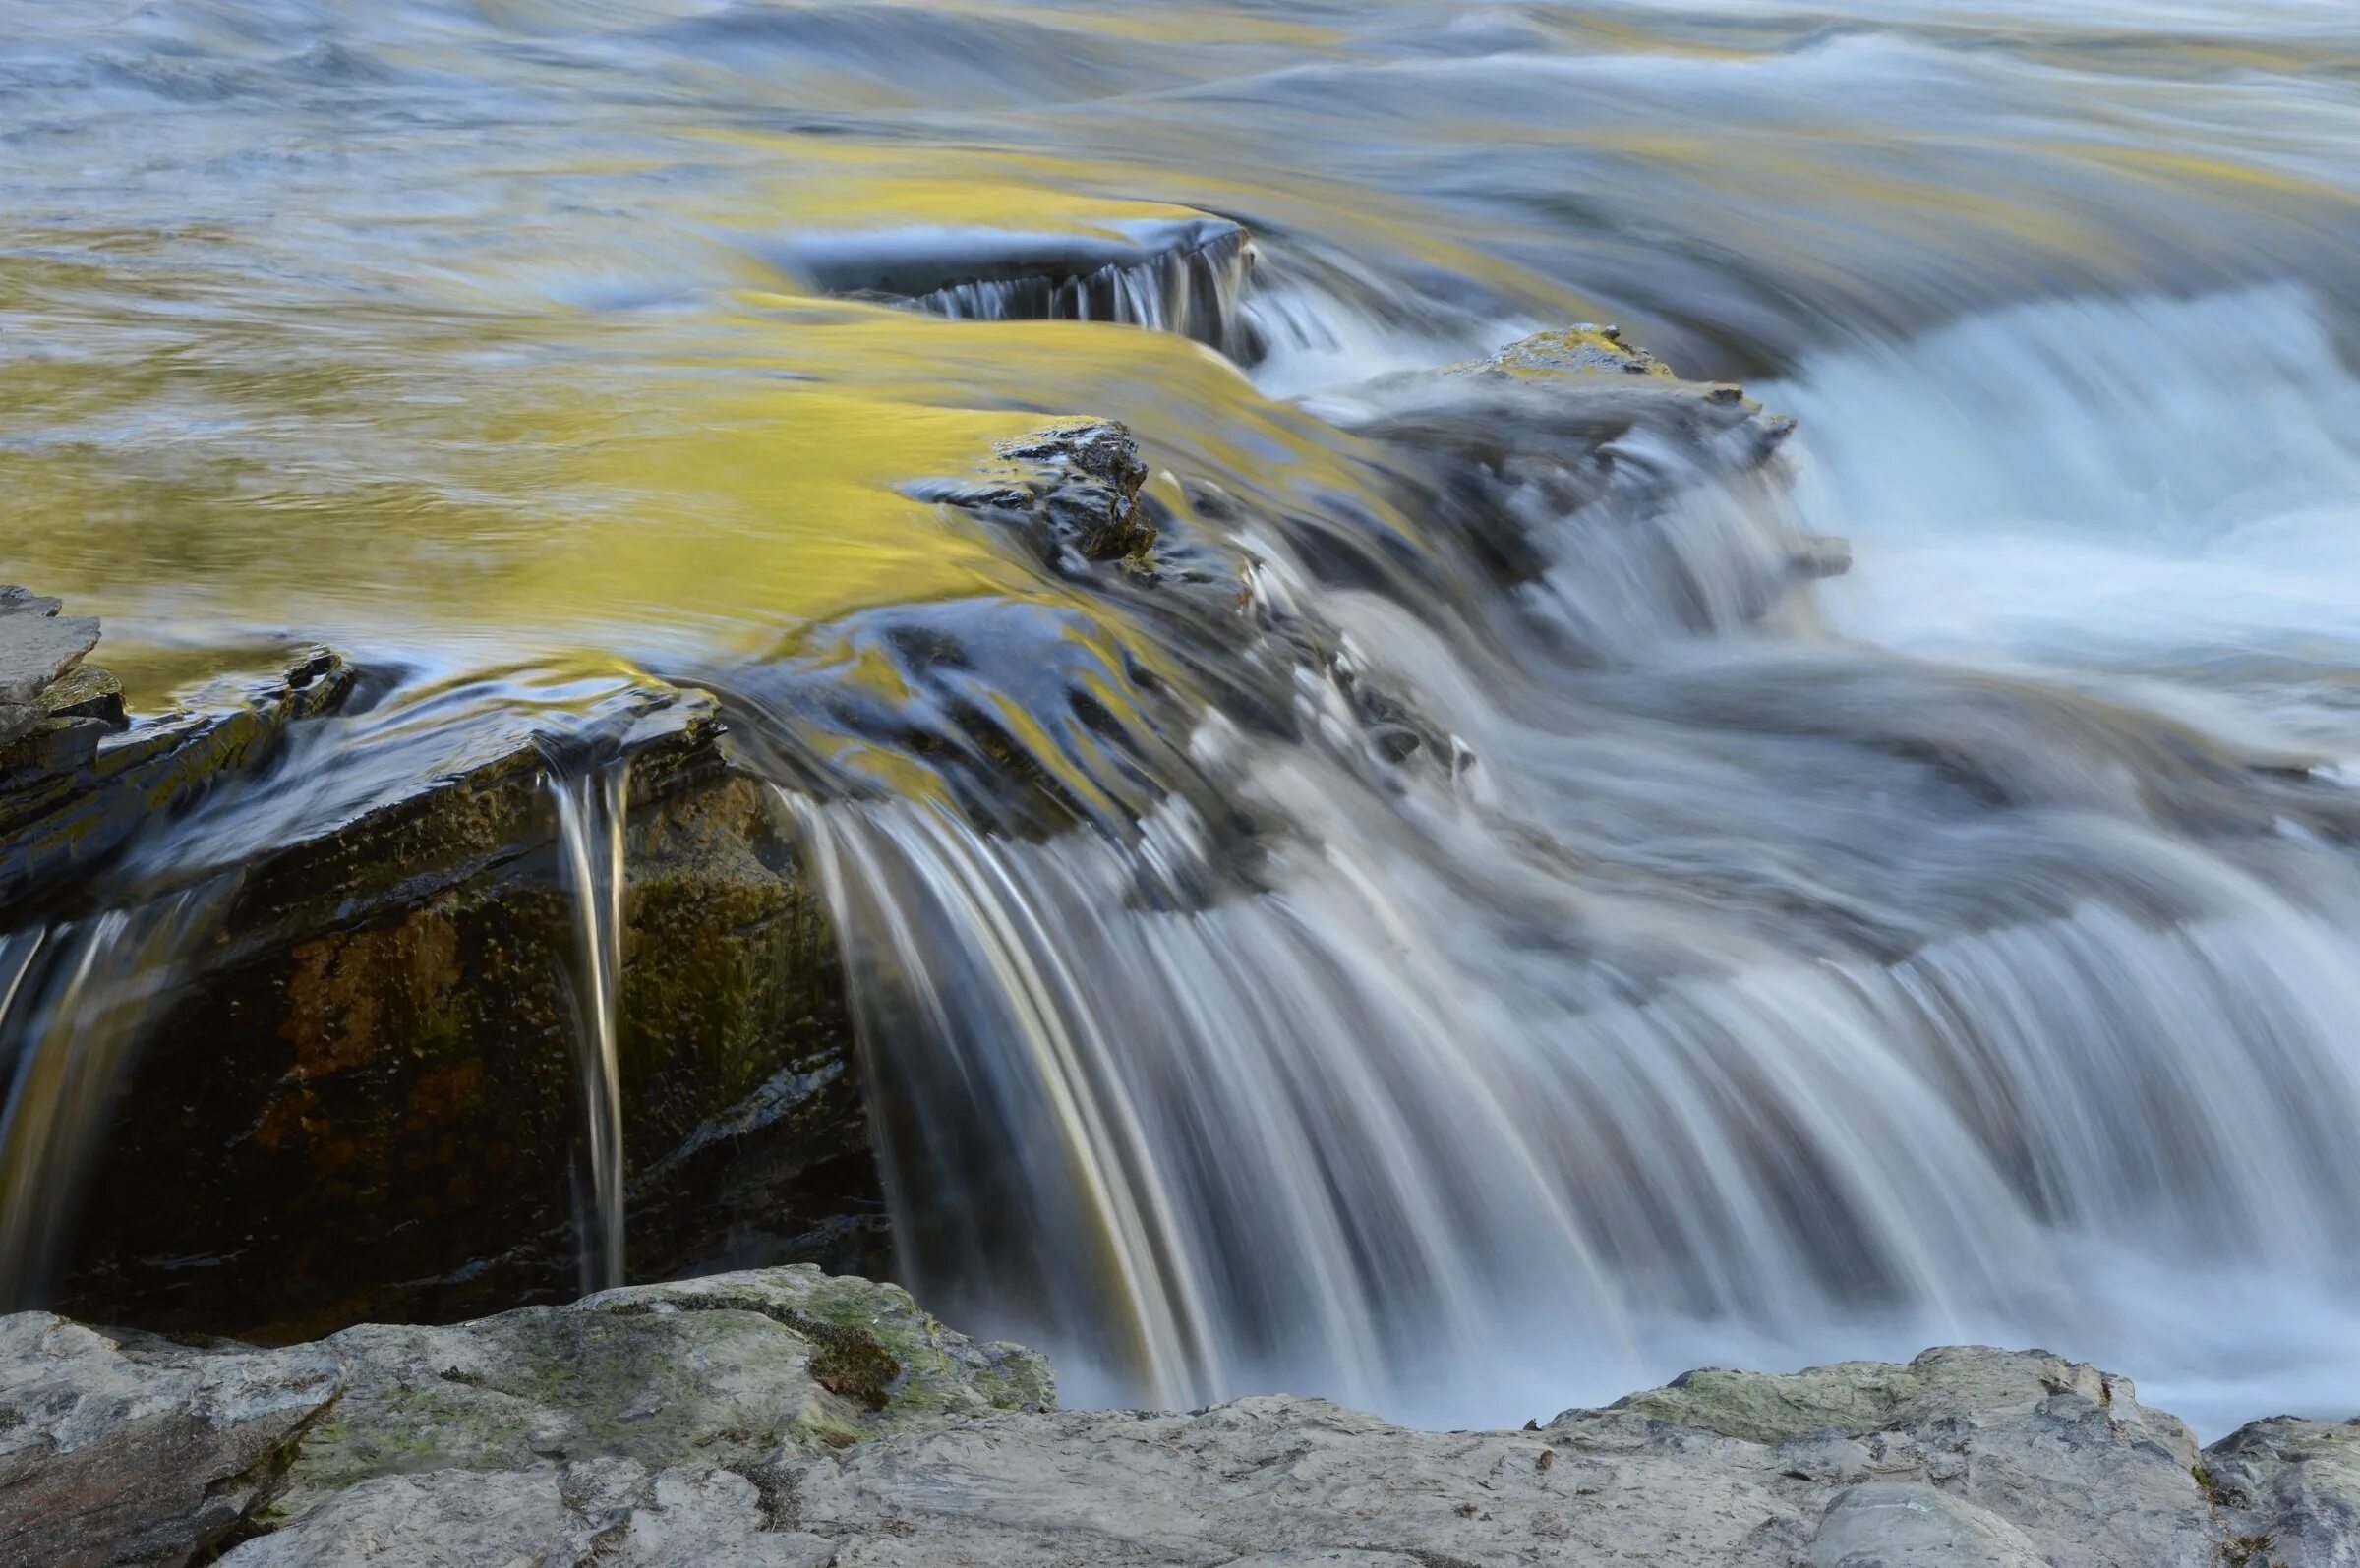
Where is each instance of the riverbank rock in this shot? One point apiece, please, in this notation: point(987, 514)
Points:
point(786, 1416)
point(532, 1436)
point(122, 1450)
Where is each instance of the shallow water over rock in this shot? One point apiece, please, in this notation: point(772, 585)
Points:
point(1408, 880)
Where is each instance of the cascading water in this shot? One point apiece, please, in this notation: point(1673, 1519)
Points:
point(1467, 921)
point(1734, 977)
point(1192, 290)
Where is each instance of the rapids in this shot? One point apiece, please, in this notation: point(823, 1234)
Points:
point(1460, 992)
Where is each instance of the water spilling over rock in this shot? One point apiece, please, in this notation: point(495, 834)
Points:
point(1186, 276)
point(1361, 860)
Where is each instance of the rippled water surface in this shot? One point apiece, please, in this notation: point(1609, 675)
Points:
point(1736, 969)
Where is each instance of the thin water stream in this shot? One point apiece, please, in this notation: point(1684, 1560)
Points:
point(590, 835)
point(1487, 931)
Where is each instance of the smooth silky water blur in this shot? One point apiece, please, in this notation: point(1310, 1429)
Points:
point(1962, 950)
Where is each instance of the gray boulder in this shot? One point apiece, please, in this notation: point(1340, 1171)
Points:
point(123, 1450)
point(36, 646)
point(2289, 1493)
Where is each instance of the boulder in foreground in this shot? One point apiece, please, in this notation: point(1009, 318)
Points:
point(790, 1418)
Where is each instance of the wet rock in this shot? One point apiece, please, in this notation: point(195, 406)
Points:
point(1575, 456)
point(83, 777)
point(366, 1100)
point(1823, 556)
point(1583, 350)
point(87, 692)
point(118, 1449)
point(1071, 492)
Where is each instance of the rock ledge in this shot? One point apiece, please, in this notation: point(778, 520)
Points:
point(790, 1418)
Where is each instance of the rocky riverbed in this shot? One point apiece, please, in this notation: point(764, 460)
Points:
point(790, 1418)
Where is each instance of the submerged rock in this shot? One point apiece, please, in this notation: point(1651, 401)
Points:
point(789, 1418)
point(1571, 458)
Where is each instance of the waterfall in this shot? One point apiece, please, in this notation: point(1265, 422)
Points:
point(77, 1000)
point(1735, 981)
point(1193, 290)
point(591, 809)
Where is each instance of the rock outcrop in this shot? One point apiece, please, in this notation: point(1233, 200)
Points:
point(789, 1418)
point(37, 648)
point(347, 1085)
point(364, 1098)
point(662, 1418)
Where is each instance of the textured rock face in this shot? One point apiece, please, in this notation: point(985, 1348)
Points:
point(38, 646)
point(126, 1450)
point(364, 1103)
point(648, 1424)
point(354, 1092)
point(788, 1418)
point(88, 778)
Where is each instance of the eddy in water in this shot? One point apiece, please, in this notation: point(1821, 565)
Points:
point(1021, 644)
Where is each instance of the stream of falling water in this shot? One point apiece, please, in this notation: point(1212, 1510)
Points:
point(75, 1002)
point(1478, 926)
point(590, 836)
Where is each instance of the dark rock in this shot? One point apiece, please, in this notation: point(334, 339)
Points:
point(1572, 448)
point(366, 1102)
point(1823, 556)
point(79, 784)
point(1073, 493)
point(87, 692)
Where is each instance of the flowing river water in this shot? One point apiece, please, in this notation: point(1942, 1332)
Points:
point(1676, 963)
